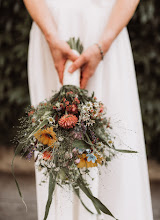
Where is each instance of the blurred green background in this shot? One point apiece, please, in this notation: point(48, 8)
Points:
point(144, 32)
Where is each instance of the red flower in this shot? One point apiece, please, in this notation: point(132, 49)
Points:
point(101, 109)
point(30, 113)
point(72, 109)
point(67, 102)
point(46, 155)
point(68, 121)
point(76, 100)
point(69, 93)
point(33, 120)
point(69, 108)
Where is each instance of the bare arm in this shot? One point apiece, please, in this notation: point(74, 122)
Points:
point(40, 13)
point(60, 50)
point(121, 14)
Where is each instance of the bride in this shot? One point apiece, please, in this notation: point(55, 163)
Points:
point(107, 68)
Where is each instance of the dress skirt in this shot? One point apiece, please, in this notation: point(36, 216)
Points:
point(124, 186)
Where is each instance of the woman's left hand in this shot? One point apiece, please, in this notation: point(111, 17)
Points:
point(88, 62)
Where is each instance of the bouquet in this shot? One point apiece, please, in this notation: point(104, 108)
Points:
point(71, 134)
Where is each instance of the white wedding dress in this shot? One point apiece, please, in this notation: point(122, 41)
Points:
point(124, 186)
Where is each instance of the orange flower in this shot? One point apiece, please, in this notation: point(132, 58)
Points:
point(84, 163)
point(68, 121)
point(46, 136)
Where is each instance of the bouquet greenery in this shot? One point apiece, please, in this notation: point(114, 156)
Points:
point(71, 135)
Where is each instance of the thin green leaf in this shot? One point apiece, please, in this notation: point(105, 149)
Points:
point(17, 151)
point(52, 183)
point(125, 151)
point(102, 207)
point(97, 203)
point(78, 194)
point(87, 192)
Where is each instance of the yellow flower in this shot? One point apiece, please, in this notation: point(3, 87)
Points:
point(84, 163)
point(46, 136)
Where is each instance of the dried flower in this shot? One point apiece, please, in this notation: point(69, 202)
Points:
point(46, 155)
point(68, 121)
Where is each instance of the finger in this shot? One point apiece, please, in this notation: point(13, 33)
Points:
point(77, 64)
point(72, 56)
point(84, 80)
point(60, 74)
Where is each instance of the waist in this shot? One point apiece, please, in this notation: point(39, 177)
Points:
point(80, 3)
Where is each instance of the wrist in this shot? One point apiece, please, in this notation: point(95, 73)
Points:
point(105, 41)
point(52, 38)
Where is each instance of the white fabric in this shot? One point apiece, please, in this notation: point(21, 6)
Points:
point(124, 186)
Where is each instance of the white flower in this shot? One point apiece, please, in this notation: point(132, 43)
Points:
point(52, 164)
point(96, 104)
point(42, 162)
point(84, 109)
point(110, 142)
point(34, 139)
point(60, 139)
point(68, 155)
point(91, 122)
point(58, 104)
point(89, 105)
point(57, 169)
point(56, 144)
point(51, 120)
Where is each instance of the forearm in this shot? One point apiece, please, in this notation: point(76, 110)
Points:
point(40, 13)
point(121, 14)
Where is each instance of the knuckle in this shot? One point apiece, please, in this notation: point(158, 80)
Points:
point(74, 66)
point(85, 57)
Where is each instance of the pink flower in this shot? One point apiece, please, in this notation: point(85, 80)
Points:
point(67, 102)
point(74, 150)
point(68, 121)
point(77, 161)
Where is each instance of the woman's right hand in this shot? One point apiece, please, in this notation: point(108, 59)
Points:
point(61, 52)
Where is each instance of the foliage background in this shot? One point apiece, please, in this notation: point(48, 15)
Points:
point(14, 95)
